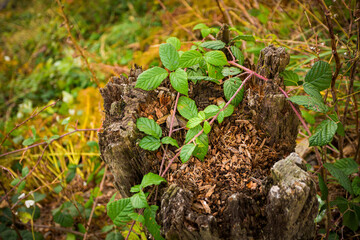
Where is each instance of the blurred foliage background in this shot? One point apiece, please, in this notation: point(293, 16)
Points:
point(39, 64)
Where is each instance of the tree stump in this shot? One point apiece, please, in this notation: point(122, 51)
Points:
point(256, 195)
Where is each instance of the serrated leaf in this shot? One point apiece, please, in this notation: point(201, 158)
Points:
point(169, 56)
point(206, 78)
point(135, 189)
point(237, 54)
point(247, 38)
point(65, 220)
point(150, 143)
point(193, 122)
point(119, 210)
point(192, 132)
point(230, 87)
point(310, 103)
point(175, 42)
point(190, 58)
point(340, 176)
point(216, 45)
point(324, 133)
point(28, 141)
point(351, 220)
point(228, 111)
point(347, 165)
point(205, 32)
point(216, 58)
point(187, 107)
point(137, 217)
point(356, 185)
point(149, 126)
point(138, 200)
point(179, 81)
point(290, 78)
point(323, 188)
point(186, 152)
point(114, 236)
point(207, 127)
point(170, 140)
point(211, 111)
point(150, 222)
point(312, 91)
point(319, 75)
point(230, 71)
point(215, 71)
point(221, 117)
point(202, 115)
point(202, 147)
point(151, 78)
point(151, 179)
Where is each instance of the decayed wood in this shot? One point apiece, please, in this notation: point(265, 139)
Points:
point(290, 204)
point(127, 162)
point(272, 111)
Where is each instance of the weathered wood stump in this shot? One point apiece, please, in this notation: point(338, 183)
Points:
point(282, 204)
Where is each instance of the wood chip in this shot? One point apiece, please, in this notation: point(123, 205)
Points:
point(206, 207)
point(210, 192)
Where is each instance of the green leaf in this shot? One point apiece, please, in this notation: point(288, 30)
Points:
point(151, 78)
point(229, 71)
point(65, 121)
point(319, 75)
point(175, 42)
point(169, 56)
point(347, 165)
point(202, 115)
point(170, 140)
point(39, 196)
point(228, 111)
point(216, 58)
point(202, 146)
point(135, 188)
point(230, 87)
point(138, 200)
point(24, 171)
point(151, 179)
point(310, 103)
point(14, 182)
point(187, 107)
point(205, 32)
point(193, 122)
point(211, 111)
point(351, 220)
point(340, 176)
point(150, 222)
point(247, 38)
point(28, 141)
point(221, 117)
point(312, 91)
point(119, 210)
point(81, 228)
point(356, 185)
point(65, 220)
point(149, 126)
point(137, 217)
point(290, 78)
point(215, 71)
point(237, 54)
point(206, 78)
point(192, 132)
point(324, 133)
point(190, 58)
point(114, 236)
point(200, 26)
point(21, 186)
point(58, 189)
point(150, 143)
point(323, 188)
point(186, 152)
point(216, 45)
point(179, 81)
point(207, 127)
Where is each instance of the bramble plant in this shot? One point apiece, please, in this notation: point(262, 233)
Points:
point(206, 61)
